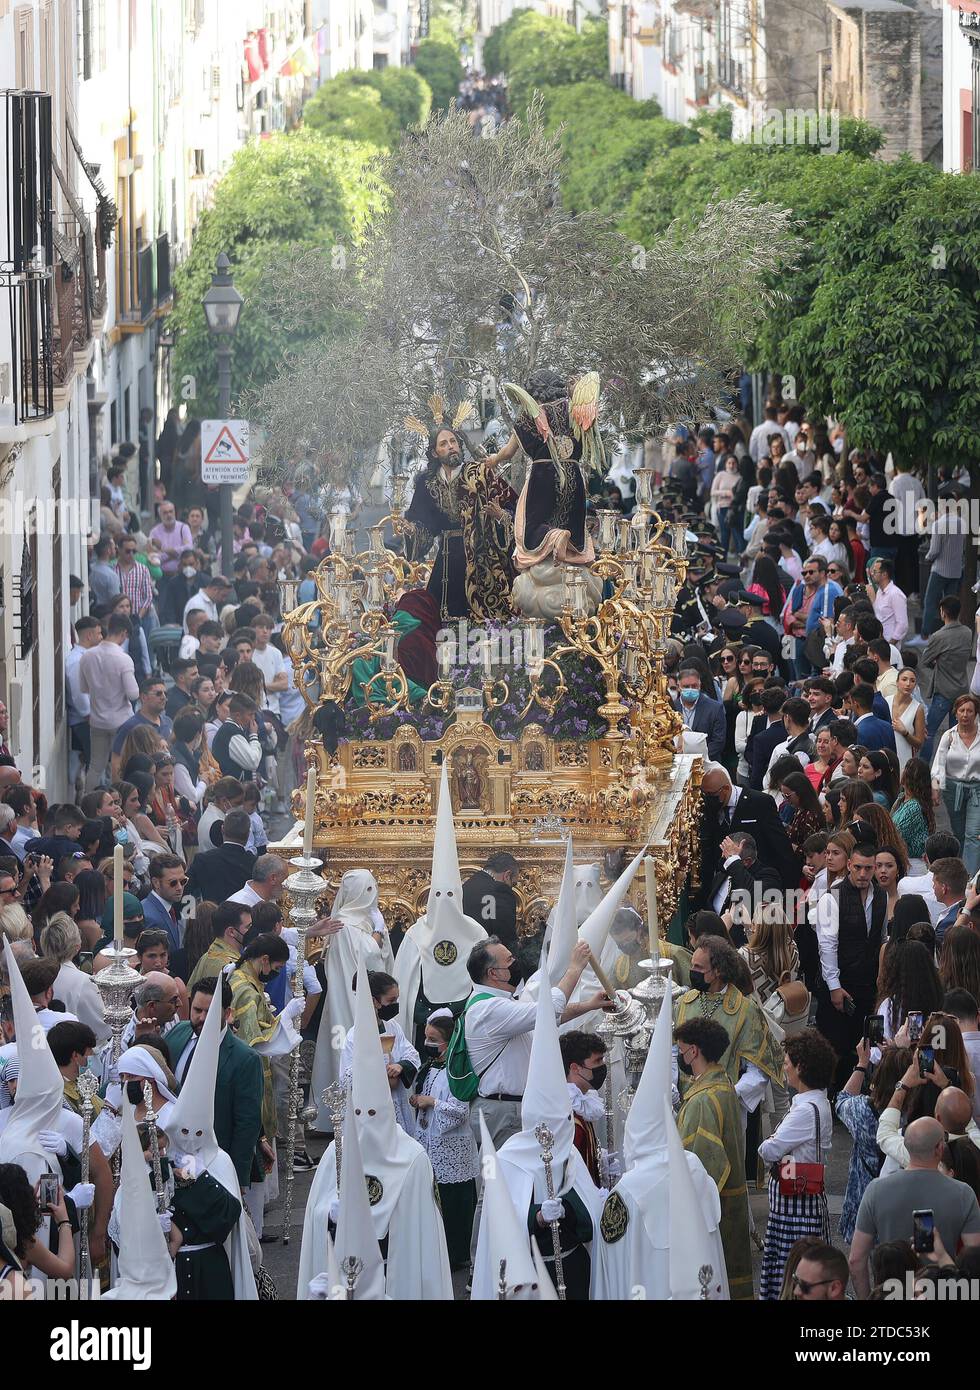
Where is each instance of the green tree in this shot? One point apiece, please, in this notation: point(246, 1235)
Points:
point(542, 52)
point(405, 92)
point(493, 48)
point(439, 64)
point(352, 109)
point(279, 198)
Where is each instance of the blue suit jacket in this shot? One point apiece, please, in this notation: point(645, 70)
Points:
point(156, 916)
point(873, 732)
point(709, 718)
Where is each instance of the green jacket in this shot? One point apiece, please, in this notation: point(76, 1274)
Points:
point(237, 1096)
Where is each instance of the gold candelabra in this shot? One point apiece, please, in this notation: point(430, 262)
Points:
point(641, 562)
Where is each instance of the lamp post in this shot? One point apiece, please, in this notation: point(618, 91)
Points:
point(222, 306)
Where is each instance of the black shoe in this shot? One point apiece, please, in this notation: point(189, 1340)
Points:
point(302, 1163)
point(268, 1239)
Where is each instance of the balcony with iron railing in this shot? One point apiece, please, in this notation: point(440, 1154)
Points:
point(26, 260)
point(144, 283)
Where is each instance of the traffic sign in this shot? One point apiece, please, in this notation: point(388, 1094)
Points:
point(225, 451)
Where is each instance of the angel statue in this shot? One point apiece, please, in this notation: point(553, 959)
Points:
point(557, 430)
point(468, 510)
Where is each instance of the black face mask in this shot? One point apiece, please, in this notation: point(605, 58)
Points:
point(134, 1090)
point(698, 981)
point(433, 1049)
point(685, 1067)
point(388, 1011)
point(516, 973)
point(268, 976)
point(598, 1077)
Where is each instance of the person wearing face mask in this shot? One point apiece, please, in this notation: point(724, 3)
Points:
point(442, 1127)
point(710, 1122)
point(701, 714)
point(268, 1034)
point(230, 924)
point(629, 933)
point(585, 1071)
point(753, 1058)
point(401, 1059)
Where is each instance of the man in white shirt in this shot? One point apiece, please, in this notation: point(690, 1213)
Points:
point(209, 598)
point(499, 1026)
point(265, 885)
point(941, 845)
point(760, 436)
point(798, 742)
point(891, 608)
point(88, 632)
point(21, 802)
point(107, 676)
point(270, 661)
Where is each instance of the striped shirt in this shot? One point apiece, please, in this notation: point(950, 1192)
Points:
point(137, 586)
point(946, 545)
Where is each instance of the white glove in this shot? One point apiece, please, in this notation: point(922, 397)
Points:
point(293, 1008)
point(114, 1096)
point(552, 1210)
point(53, 1143)
point(114, 1074)
point(334, 1212)
point(166, 1222)
point(181, 1161)
point(82, 1194)
point(319, 1289)
point(609, 1159)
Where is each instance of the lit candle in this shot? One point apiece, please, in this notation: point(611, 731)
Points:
point(310, 803)
point(650, 868)
point(117, 896)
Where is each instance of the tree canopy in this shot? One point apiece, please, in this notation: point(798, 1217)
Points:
point(438, 62)
point(287, 194)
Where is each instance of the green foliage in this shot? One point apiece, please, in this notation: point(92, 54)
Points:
point(439, 64)
point(493, 48)
point(713, 125)
point(406, 94)
point(542, 52)
point(280, 196)
point(351, 109)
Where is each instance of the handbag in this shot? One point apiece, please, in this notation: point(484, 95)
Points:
point(788, 1007)
point(802, 1179)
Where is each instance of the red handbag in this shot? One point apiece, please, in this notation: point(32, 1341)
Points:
point(802, 1179)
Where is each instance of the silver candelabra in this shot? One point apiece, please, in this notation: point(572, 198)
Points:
point(304, 887)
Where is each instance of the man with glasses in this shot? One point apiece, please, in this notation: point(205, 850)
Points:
point(809, 603)
point(152, 711)
point(821, 1275)
point(161, 907)
point(135, 581)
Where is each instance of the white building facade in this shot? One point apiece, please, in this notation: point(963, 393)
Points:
point(961, 86)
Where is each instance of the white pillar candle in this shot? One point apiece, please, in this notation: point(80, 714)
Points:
point(310, 803)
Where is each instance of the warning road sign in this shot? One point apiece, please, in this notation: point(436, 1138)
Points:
point(225, 451)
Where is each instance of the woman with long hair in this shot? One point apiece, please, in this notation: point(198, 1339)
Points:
point(822, 765)
point(150, 837)
point(887, 876)
point(740, 502)
point(908, 716)
point(941, 1031)
point(875, 769)
point(907, 980)
point(749, 707)
point(850, 761)
point(860, 1113)
point(198, 934)
point(768, 585)
point(731, 678)
point(959, 960)
point(956, 776)
point(142, 741)
point(135, 645)
point(838, 537)
point(839, 847)
point(217, 715)
point(883, 833)
point(853, 795)
point(60, 897)
point(912, 814)
point(808, 817)
point(91, 905)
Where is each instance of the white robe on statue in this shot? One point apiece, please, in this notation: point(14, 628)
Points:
point(356, 904)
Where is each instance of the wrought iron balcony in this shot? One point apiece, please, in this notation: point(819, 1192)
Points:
point(27, 258)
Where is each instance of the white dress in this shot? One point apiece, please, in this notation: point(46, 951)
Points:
point(903, 748)
point(444, 1131)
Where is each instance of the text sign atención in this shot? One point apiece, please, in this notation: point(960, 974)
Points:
point(225, 451)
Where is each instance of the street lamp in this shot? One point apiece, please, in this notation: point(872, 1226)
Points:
point(222, 306)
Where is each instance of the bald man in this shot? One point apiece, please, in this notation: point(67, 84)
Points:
point(885, 1213)
point(157, 998)
point(954, 1114)
point(9, 777)
point(726, 809)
